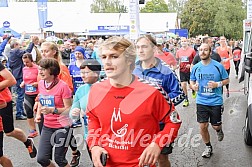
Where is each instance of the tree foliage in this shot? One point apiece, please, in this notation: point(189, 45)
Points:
point(155, 6)
point(176, 6)
point(108, 6)
point(215, 18)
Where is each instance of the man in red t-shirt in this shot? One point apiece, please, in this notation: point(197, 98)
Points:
point(124, 112)
point(185, 56)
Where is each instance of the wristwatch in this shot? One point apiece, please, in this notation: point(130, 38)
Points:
point(55, 111)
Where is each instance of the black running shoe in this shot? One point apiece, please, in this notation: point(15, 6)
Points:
point(75, 159)
point(32, 149)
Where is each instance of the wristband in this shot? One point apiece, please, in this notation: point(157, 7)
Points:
point(55, 111)
point(219, 84)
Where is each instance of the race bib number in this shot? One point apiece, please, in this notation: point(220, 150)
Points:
point(30, 88)
point(47, 100)
point(184, 59)
point(205, 90)
point(77, 84)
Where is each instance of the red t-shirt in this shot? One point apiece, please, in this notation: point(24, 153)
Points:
point(122, 119)
point(6, 94)
point(168, 58)
point(237, 54)
point(1, 123)
point(186, 57)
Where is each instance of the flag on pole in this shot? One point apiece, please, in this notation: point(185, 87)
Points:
point(42, 12)
point(3, 3)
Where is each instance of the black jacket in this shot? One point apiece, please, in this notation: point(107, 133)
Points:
point(15, 61)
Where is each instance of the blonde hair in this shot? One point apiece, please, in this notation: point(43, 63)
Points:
point(123, 45)
point(54, 46)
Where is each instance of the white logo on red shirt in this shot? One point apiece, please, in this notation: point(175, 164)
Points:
point(117, 118)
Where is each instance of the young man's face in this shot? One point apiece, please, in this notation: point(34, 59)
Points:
point(204, 52)
point(73, 46)
point(210, 42)
point(115, 63)
point(145, 50)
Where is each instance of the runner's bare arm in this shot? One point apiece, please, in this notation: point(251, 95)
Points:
point(9, 79)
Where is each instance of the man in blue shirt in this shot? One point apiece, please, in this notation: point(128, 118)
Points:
point(156, 71)
point(207, 78)
point(74, 42)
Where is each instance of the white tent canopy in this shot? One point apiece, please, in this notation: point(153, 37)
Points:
point(70, 17)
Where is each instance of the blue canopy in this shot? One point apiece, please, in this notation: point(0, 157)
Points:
point(7, 30)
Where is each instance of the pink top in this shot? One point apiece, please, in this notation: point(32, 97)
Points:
point(54, 98)
point(237, 54)
point(30, 76)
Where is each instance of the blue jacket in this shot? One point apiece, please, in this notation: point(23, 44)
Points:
point(15, 61)
point(163, 76)
point(3, 44)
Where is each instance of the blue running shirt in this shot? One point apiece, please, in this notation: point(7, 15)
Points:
point(202, 74)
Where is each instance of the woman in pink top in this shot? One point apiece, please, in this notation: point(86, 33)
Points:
point(30, 73)
point(55, 100)
point(237, 57)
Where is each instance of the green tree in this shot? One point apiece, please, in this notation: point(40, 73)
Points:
point(228, 19)
point(108, 6)
point(172, 6)
point(176, 6)
point(214, 18)
point(155, 6)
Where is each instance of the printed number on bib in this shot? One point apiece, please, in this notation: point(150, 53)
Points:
point(47, 100)
point(236, 56)
point(205, 90)
point(184, 59)
point(30, 88)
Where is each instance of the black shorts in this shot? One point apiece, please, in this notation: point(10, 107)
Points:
point(168, 148)
point(184, 76)
point(7, 118)
point(213, 112)
point(1, 144)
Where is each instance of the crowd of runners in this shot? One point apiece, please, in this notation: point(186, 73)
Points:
point(123, 93)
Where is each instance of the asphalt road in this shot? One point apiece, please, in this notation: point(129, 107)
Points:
point(231, 152)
